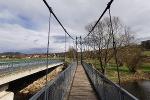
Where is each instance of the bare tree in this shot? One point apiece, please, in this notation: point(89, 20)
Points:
point(128, 40)
point(71, 53)
point(21, 56)
point(101, 37)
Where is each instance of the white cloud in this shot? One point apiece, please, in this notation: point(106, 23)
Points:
point(134, 14)
point(17, 37)
point(24, 23)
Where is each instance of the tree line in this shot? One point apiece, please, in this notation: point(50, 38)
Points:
point(145, 44)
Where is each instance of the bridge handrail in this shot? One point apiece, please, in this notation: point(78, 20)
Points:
point(15, 66)
point(56, 89)
point(105, 88)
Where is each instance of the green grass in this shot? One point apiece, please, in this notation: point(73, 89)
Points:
point(111, 71)
point(112, 67)
point(10, 60)
point(147, 53)
point(145, 67)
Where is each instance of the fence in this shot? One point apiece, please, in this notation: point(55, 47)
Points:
point(105, 88)
point(56, 89)
point(11, 67)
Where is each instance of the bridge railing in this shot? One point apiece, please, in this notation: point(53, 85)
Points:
point(105, 88)
point(56, 89)
point(11, 67)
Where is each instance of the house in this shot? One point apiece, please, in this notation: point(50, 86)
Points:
point(28, 56)
point(54, 56)
point(43, 56)
point(36, 56)
point(4, 56)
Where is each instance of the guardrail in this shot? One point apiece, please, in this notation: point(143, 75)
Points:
point(11, 67)
point(56, 89)
point(105, 88)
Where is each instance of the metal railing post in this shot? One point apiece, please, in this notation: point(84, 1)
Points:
point(12, 67)
point(38, 63)
point(28, 65)
point(81, 47)
point(45, 93)
point(76, 50)
point(21, 66)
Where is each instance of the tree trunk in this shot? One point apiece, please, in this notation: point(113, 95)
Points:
point(101, 64)
point(104, 71)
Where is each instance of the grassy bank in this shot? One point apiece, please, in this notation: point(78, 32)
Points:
point(146, 53)
point(143, 73)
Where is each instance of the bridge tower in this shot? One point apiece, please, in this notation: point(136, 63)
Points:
point(79, 46)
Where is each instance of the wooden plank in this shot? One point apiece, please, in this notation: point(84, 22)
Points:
point(80, 87)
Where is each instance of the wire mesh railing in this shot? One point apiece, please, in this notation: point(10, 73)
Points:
point(105, 88)
point(11, 67)
point(56, 89)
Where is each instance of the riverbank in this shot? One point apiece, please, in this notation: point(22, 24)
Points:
point(128, 76)
point(143, 73)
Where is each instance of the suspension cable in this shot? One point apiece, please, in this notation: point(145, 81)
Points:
point(65, 47)
point(108, 6)
point(114, 46)
point(95, 54)
point(50, 9)
point(88, 50)
point(48, 48)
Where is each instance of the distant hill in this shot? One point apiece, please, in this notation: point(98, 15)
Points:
point(10, 53)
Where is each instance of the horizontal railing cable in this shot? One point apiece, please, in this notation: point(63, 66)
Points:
point(51, 11)
point(108, 6)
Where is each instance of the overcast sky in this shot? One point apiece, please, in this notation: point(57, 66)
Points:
point(24, 23)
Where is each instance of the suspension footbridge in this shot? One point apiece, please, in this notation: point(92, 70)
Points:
point(79, 81)
point(82, 82)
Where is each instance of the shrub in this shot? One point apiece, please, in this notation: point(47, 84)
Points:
point(132, 56)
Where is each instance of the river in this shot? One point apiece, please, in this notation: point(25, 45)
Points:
point(140, 89)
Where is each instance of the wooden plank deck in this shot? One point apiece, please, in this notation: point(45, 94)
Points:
point(80, 87)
